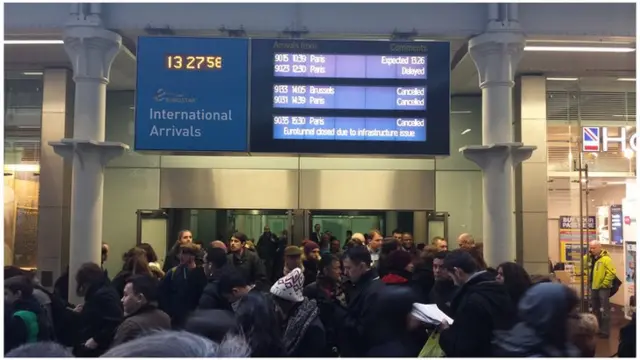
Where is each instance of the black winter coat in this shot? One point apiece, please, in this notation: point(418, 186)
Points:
point(252, 267)
point(211, 299)
point(99, 319)
point(331, 314)
point(480, 307)
point(360, 322)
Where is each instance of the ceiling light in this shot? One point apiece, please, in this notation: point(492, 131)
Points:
point(32, 73)
point(562, 79)
point(33, 42)
point(22, 167)
point(626, 79)
point(580, 49)
point(461, 112)
point(466, 131)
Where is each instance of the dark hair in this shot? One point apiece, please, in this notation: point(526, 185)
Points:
point(389, 245)
point(212, 324)
point(359, 255)
point(398, 260)
point(181, 232)
point(462, 260)
point(19, 283)
point(441, 255)
point(516, 280)
point(258, 321)
point(146, 285)
point(149, 252)
point(135, 261)
point(230, 278)
point(327, 261)
point(13, 271)
point(477, 256)
point(421, 246)
point(88, 275)
point(396, 231)
point(217, 257)
point(349, 232)
point(436, 239)
point(394, 304)
point(240, 236)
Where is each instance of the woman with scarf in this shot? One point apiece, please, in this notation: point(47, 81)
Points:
point(303, 333)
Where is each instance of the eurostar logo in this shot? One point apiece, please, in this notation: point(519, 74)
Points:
point(169, 97)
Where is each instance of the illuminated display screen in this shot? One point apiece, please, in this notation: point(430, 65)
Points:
point(362, 97)
point(350, 66)
point(193, 62)
point(348, 128)
point(349, 97)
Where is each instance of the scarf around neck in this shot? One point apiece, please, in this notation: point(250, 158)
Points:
point(298, 323)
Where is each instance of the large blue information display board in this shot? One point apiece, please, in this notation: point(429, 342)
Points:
point(350, 97)
point(192, 94)
point(292, 96)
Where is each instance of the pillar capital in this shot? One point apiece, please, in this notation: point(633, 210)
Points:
point(92, 50)
point(489, 157)
point(496, 54)
point(89, 151)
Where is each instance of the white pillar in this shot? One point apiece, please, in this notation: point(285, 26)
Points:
point(92, 50)
point(496, 54)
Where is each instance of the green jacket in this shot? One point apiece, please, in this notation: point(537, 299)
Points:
point(604, 272)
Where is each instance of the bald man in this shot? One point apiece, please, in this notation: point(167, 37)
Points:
point(465, 240)
point(602, 274)
point(219, 244)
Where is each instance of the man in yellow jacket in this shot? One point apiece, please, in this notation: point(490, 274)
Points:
point(602, 273)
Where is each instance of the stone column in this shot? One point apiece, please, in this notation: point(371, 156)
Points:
point(55, 176)
point(532, 215)
point(92, 50)
point(496, 54)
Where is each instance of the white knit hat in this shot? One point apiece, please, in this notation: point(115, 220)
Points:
point(290, 287)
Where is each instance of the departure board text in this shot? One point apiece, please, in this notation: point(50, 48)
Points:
point(350, 66)
point(349, 97)
point(348, 128)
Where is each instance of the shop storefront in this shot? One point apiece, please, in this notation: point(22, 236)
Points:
point(591, 172)
point(22, 124)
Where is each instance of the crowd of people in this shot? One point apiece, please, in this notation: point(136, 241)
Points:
point(323, 298)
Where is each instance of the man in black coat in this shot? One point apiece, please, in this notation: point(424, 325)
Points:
point(214, 261)
point(361, 320)
point(443, 289)
point(247, 262)
point(480, 307)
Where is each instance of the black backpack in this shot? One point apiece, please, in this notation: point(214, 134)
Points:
point(62, 319)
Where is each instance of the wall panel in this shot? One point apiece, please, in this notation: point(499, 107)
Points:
point(367, 190)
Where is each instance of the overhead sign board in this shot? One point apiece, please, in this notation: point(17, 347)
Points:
point(306, 97)
point(191, 94)
point(350, 97)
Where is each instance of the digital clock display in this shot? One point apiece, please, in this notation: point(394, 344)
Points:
point(193, 62)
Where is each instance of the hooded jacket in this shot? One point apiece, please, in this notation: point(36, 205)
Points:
point(604, 271)
point(542, 332)
point(480, 306)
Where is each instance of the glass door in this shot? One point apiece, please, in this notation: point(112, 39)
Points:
point(219, 224)
point(339, 222)
point(437, 225)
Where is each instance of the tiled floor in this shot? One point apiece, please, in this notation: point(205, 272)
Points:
point(608, 347)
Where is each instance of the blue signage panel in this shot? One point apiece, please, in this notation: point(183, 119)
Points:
point(615, 222)
point(365, 97)
point(192, 94)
